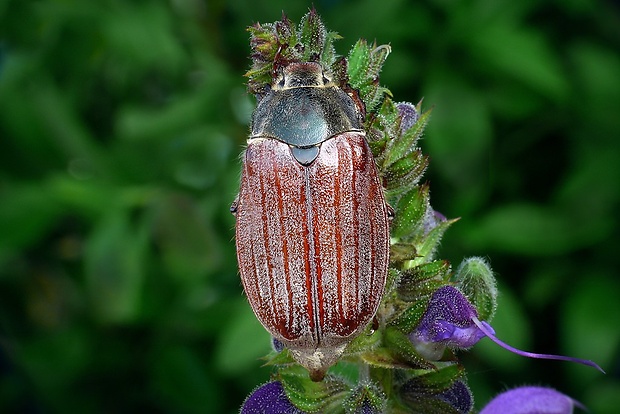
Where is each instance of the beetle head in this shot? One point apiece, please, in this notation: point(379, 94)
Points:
point(300, 75)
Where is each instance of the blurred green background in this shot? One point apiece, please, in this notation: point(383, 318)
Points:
point(121, 124)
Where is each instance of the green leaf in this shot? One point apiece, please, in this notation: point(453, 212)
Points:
point(404, 144)
point(421, 391)
point(312, 35)
point(405, 172)
point(410, 317)
point(401, 251)
point(329, 55)
point(358, 59)
point(476, 281)
point(409, 212)
point(310, 396)
point(423, 280)
point(430, 243)
point(384, 358)
point(366, 397)
point(279, 358)
point(438, 380)
point(378, 56)
point(366, 341)
point(422, 403)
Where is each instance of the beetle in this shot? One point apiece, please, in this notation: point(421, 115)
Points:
point(312, 223)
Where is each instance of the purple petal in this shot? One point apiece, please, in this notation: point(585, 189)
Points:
point(530, 400)
point(491, 334)
point(269, 399)
point(450, 305)
point(456, 336)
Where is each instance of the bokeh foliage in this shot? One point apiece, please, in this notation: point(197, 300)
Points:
point(120, 129)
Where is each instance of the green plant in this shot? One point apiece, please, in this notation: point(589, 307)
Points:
point(406, 361)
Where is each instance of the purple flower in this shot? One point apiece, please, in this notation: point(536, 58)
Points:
point(450, 320)
point(531, 400)
point(269, 398)
point(408, 115)
point(447, 322)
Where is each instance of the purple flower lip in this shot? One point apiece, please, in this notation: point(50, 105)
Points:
point(450, 320)
point(462, 337)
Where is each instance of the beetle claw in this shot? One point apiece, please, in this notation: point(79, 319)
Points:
point(234, 205)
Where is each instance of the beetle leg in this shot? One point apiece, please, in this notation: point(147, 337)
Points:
point(390, 212)
point(375, 324)
point(234, 205)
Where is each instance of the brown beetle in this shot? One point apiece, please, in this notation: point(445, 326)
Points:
point(312, 229)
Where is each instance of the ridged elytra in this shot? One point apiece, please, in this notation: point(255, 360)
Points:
point(312, 226)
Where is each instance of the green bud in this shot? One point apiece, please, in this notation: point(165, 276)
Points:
point(410, 317)
point(434, 381)
point(475, 279)
point(366, 398)
point(411, 209)
point(422, 280)
point(405, 172)
point(402, 146)
point(433, 229)
point(365, 63)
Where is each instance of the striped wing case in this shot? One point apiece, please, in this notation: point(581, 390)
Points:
point(312, 244)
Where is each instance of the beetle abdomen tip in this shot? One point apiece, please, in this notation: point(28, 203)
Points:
point(317, 361)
